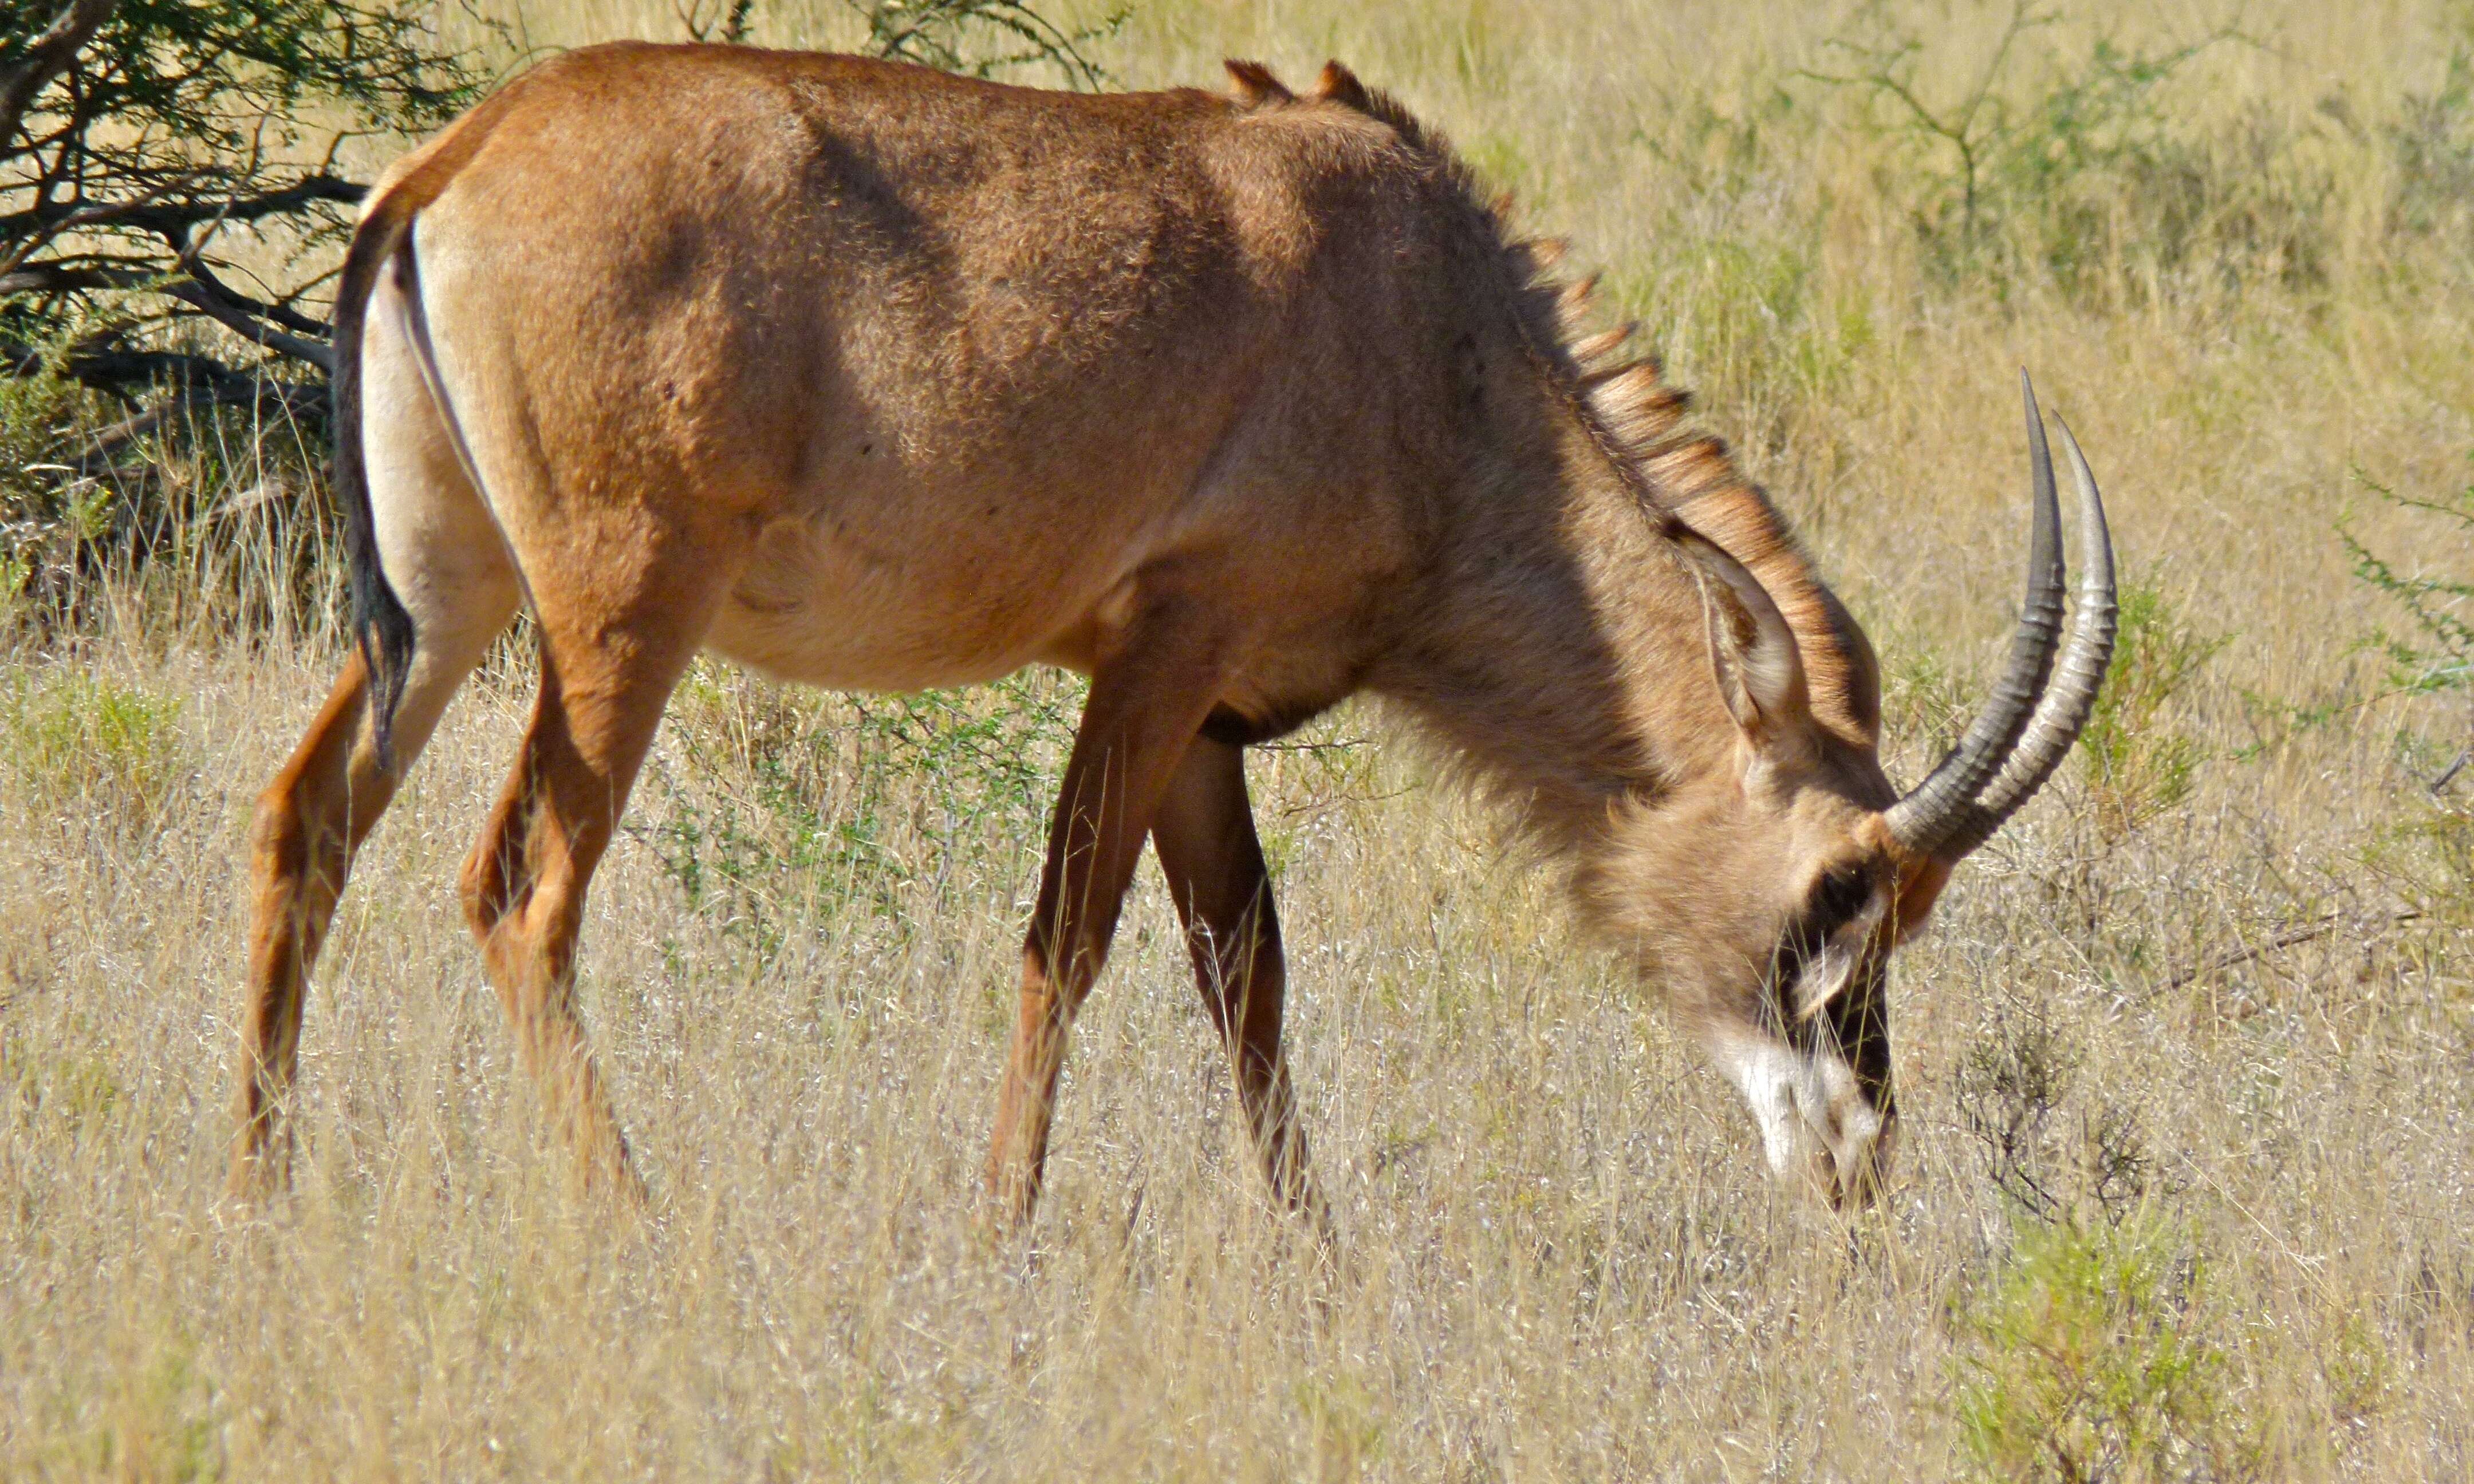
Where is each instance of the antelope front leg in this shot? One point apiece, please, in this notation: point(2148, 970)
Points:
point(1147, 700)
point(1204, 832)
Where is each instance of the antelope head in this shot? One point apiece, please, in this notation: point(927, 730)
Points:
point(1771, 891)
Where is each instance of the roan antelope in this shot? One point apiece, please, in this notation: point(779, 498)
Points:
point(868, 376)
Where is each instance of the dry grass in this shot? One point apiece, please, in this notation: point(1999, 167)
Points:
point(1562, 1261)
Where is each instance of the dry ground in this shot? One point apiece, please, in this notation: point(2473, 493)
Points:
point(1560, 1260)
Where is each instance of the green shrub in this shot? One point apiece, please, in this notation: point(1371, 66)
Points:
point(2429, 856)
point(77, 740)
point(2078, 171)
point(2141, 764)
point(791, 806)
point(2436, 652)
point(2433, 147)
point(2084, 1357)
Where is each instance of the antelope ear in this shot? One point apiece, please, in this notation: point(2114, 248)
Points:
point(1753, 652)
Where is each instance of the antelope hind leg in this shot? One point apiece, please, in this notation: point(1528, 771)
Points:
point(607, 671)
point(1147, 700)
point(444, 558)
point(309, 824)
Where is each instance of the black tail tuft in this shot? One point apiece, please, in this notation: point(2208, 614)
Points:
point(381, 623)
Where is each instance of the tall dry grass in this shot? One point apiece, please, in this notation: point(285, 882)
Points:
point(2188, 1062)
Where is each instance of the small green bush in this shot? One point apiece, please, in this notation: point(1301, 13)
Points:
point(2434, 148)
point(2083, 1358)
point(2139, 762)
point(2429, 856)
point(2077, 171)
point(2436, 652)
point(790, 805)
point(78, 741)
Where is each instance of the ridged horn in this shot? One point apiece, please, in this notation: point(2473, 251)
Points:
point(1936, 809)
point(2063, 712)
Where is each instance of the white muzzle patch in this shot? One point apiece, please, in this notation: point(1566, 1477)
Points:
point(1814, 1121)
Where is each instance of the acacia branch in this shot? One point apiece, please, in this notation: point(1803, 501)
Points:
point(55, 278)
point(206, 301)
point(149, 214)
point(283, 313)
point(248, 317)
point(2309, 932)
point(48, 57)
point(112, 369)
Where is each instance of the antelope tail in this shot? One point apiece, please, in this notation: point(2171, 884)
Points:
point(381, 626)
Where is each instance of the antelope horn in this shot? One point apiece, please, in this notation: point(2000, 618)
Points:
point(2063, 712)
point(1936, 809)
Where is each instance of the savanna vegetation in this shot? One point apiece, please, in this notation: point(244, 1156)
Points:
point(2187, 1064)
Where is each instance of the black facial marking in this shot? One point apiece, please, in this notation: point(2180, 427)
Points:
point(1837, 899)
point(1856, 1022)
point(1859, 1018)
point(1842, 893)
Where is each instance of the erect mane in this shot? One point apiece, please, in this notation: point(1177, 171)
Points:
point(1687, 475)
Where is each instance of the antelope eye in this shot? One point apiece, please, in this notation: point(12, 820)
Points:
point(1841, 895)
point(1837, 900)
